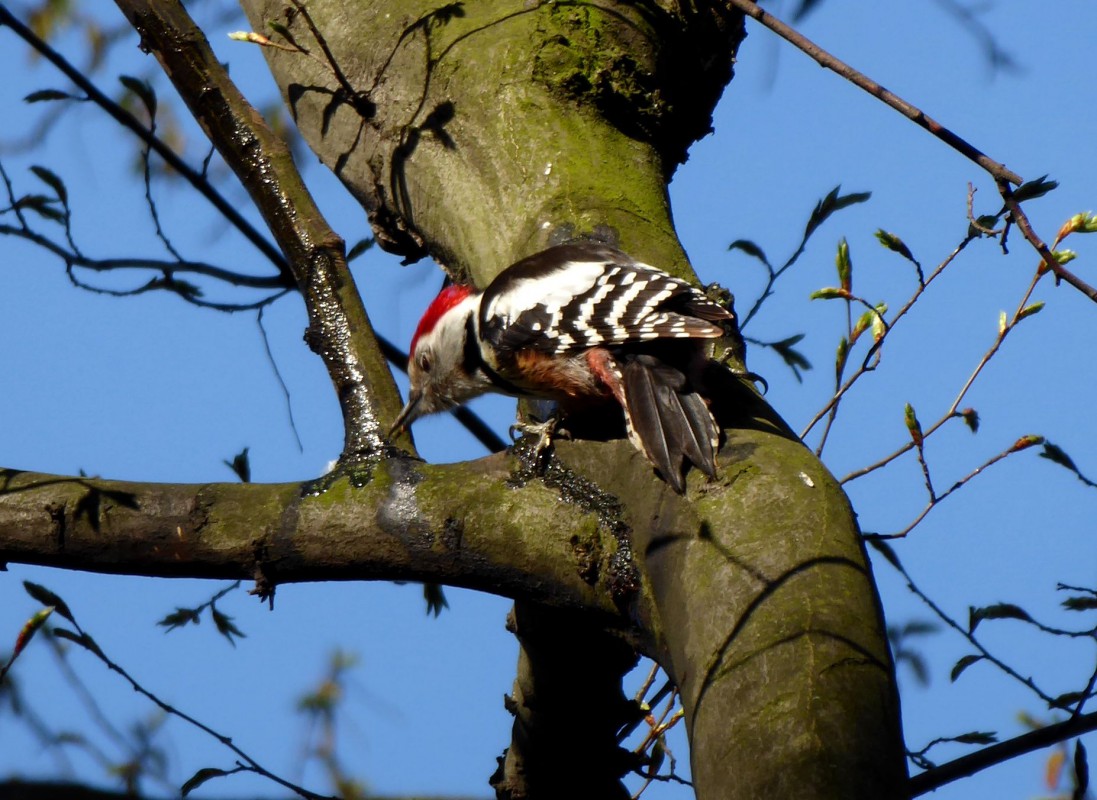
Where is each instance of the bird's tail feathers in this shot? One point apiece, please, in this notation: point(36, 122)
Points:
point(668, 421)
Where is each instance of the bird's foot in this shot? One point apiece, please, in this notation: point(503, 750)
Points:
point(542, 431)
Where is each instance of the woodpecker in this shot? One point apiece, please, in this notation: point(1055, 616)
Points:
point(581, 324)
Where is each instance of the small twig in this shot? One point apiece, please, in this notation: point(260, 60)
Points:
point(862, 81)
point(130, 122)
point(867, 364)
point(641, 693)
point(971, 190)
point(935, 499)
point(1000, 753)
point(667, 688)
point(76, 259)
point(248, 763)
point(920, 449)
point(1051, 264)
point(964, 632)
point(952, 411)
point(278, 377)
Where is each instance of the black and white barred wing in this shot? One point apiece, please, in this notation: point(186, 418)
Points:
point(591, 295)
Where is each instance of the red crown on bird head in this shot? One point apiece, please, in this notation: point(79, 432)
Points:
point(449, 297)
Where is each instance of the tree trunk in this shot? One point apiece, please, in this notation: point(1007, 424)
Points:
point(477, 133)
point(480, 132)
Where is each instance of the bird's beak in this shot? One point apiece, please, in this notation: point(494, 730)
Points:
point(408, 414)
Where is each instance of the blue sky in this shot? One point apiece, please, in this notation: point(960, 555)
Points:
point(151, 389)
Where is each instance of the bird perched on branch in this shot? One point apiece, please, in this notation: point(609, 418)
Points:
point(583, 325)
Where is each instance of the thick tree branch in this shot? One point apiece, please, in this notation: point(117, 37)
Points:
point(456, 524)
point(339, 328)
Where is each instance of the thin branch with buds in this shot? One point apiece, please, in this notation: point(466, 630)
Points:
point(1024, 310)
point(83, 639)
point(871, 358)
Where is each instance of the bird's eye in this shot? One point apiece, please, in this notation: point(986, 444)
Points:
point(423, 360)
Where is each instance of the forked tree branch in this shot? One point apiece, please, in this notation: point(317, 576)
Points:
point(1003, 177)
point(1051, 263)
point(339, 329)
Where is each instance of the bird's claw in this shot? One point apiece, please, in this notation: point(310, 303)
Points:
point(543, 432)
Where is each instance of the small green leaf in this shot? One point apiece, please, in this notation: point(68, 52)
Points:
point(435, 597)
point(996, 611)
point(879, 327)
point(1056, 454)
point(1026, 442)
point(919, 627)
point(65, 633)
point(910, 419)
point(830, 293)
point(362, 246)
point(143, 90)
point(50, 178)
point(41, 205)
point(179, 618)
point(844, 265)
point(984, 225)
point(962, 665)
point(861, 325)
point(81, 639)
point(975, 737)
point(1067, 699)
point(225, 626)
point(828, 205)
point(1080, 603)
point(840, 358)
point(1030, 190)
point(200, 777)
point(658, 754)
point(917, 665)
point(1029, 310)
point(30, 628)
point(750, 248)
point(48, 598)
point(971, 418)
point(795, 360)
point(240, 465)
point(894, 244)
point(45, 95)
point(886, 550)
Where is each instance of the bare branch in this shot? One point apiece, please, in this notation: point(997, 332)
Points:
point(339, 330)
point(1002, 752)
point(862, 81)
point(153, 142)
